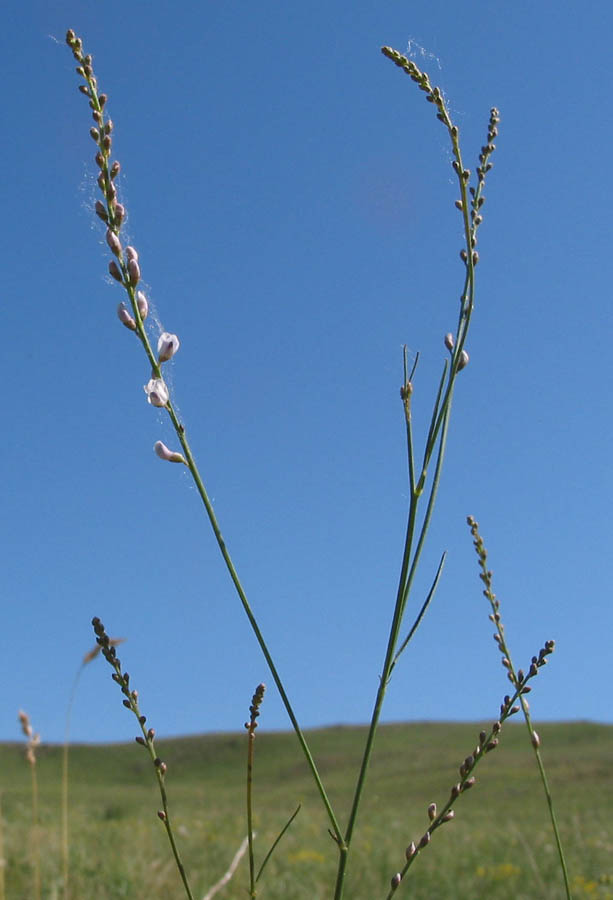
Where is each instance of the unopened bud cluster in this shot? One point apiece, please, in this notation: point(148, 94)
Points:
point(124, 267)
point(413, 849)
point(107, 648)
point(254, 709)
point(421, 79)
point(518, 679)
point(477, 198)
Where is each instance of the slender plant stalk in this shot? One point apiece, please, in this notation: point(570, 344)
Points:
point(487, 742)
point(251, 725)
point(92, 654)
point(437, 435)
point(65, 827)
point(33, 740)
point(146, 739)
point(517, 678)
point(125, 269)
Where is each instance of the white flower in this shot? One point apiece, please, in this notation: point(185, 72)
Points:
point(168, 344)
point(157, 392)
point(164, 453)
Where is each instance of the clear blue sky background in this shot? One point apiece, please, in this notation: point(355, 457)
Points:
point(291, 197)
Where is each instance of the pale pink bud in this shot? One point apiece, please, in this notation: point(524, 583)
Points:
point(410, 851)
point(115, 271)
point(125, 318)
point(536, 741)
point(101, 211)
point(113, 242)
point(168, 344)
point(449, 341)
point(432, 812)
point(143, 305)
point(131, 253)
point(119, 212)
point(157, 392)
point(134, 272)
point(463, 361)
point(395, 881)
point(169, 455)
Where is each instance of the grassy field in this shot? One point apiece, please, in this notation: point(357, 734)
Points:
point(499, 845)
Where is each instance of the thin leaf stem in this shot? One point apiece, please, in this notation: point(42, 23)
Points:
point(422, 611)
point(276, 840)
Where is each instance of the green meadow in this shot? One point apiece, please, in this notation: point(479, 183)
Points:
point(499, 845)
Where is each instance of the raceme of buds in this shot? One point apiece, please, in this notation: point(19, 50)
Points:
point(143, 305)
point(157, 392)
point(125, 318)
point(168, 344)
point(169, 455)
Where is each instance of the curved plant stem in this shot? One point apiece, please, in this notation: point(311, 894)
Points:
point(437, 433)
point(517, 679)
point(123, 274)
point(146, 739)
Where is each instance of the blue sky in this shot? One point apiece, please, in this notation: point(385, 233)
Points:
point(291, 197)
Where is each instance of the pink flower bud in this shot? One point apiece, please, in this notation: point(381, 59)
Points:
point(134, 272)
point(449, 341)
point(115, 271)
point(157, 392)
point(143, 305)
point(119, 211)
point(125, 318)
point(463, 361)
point(169, 455)
point(113, 242)
point(168, 344)
point(131, 253)
point(101, 211)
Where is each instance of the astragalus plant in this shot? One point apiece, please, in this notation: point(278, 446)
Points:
point(424, 461)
